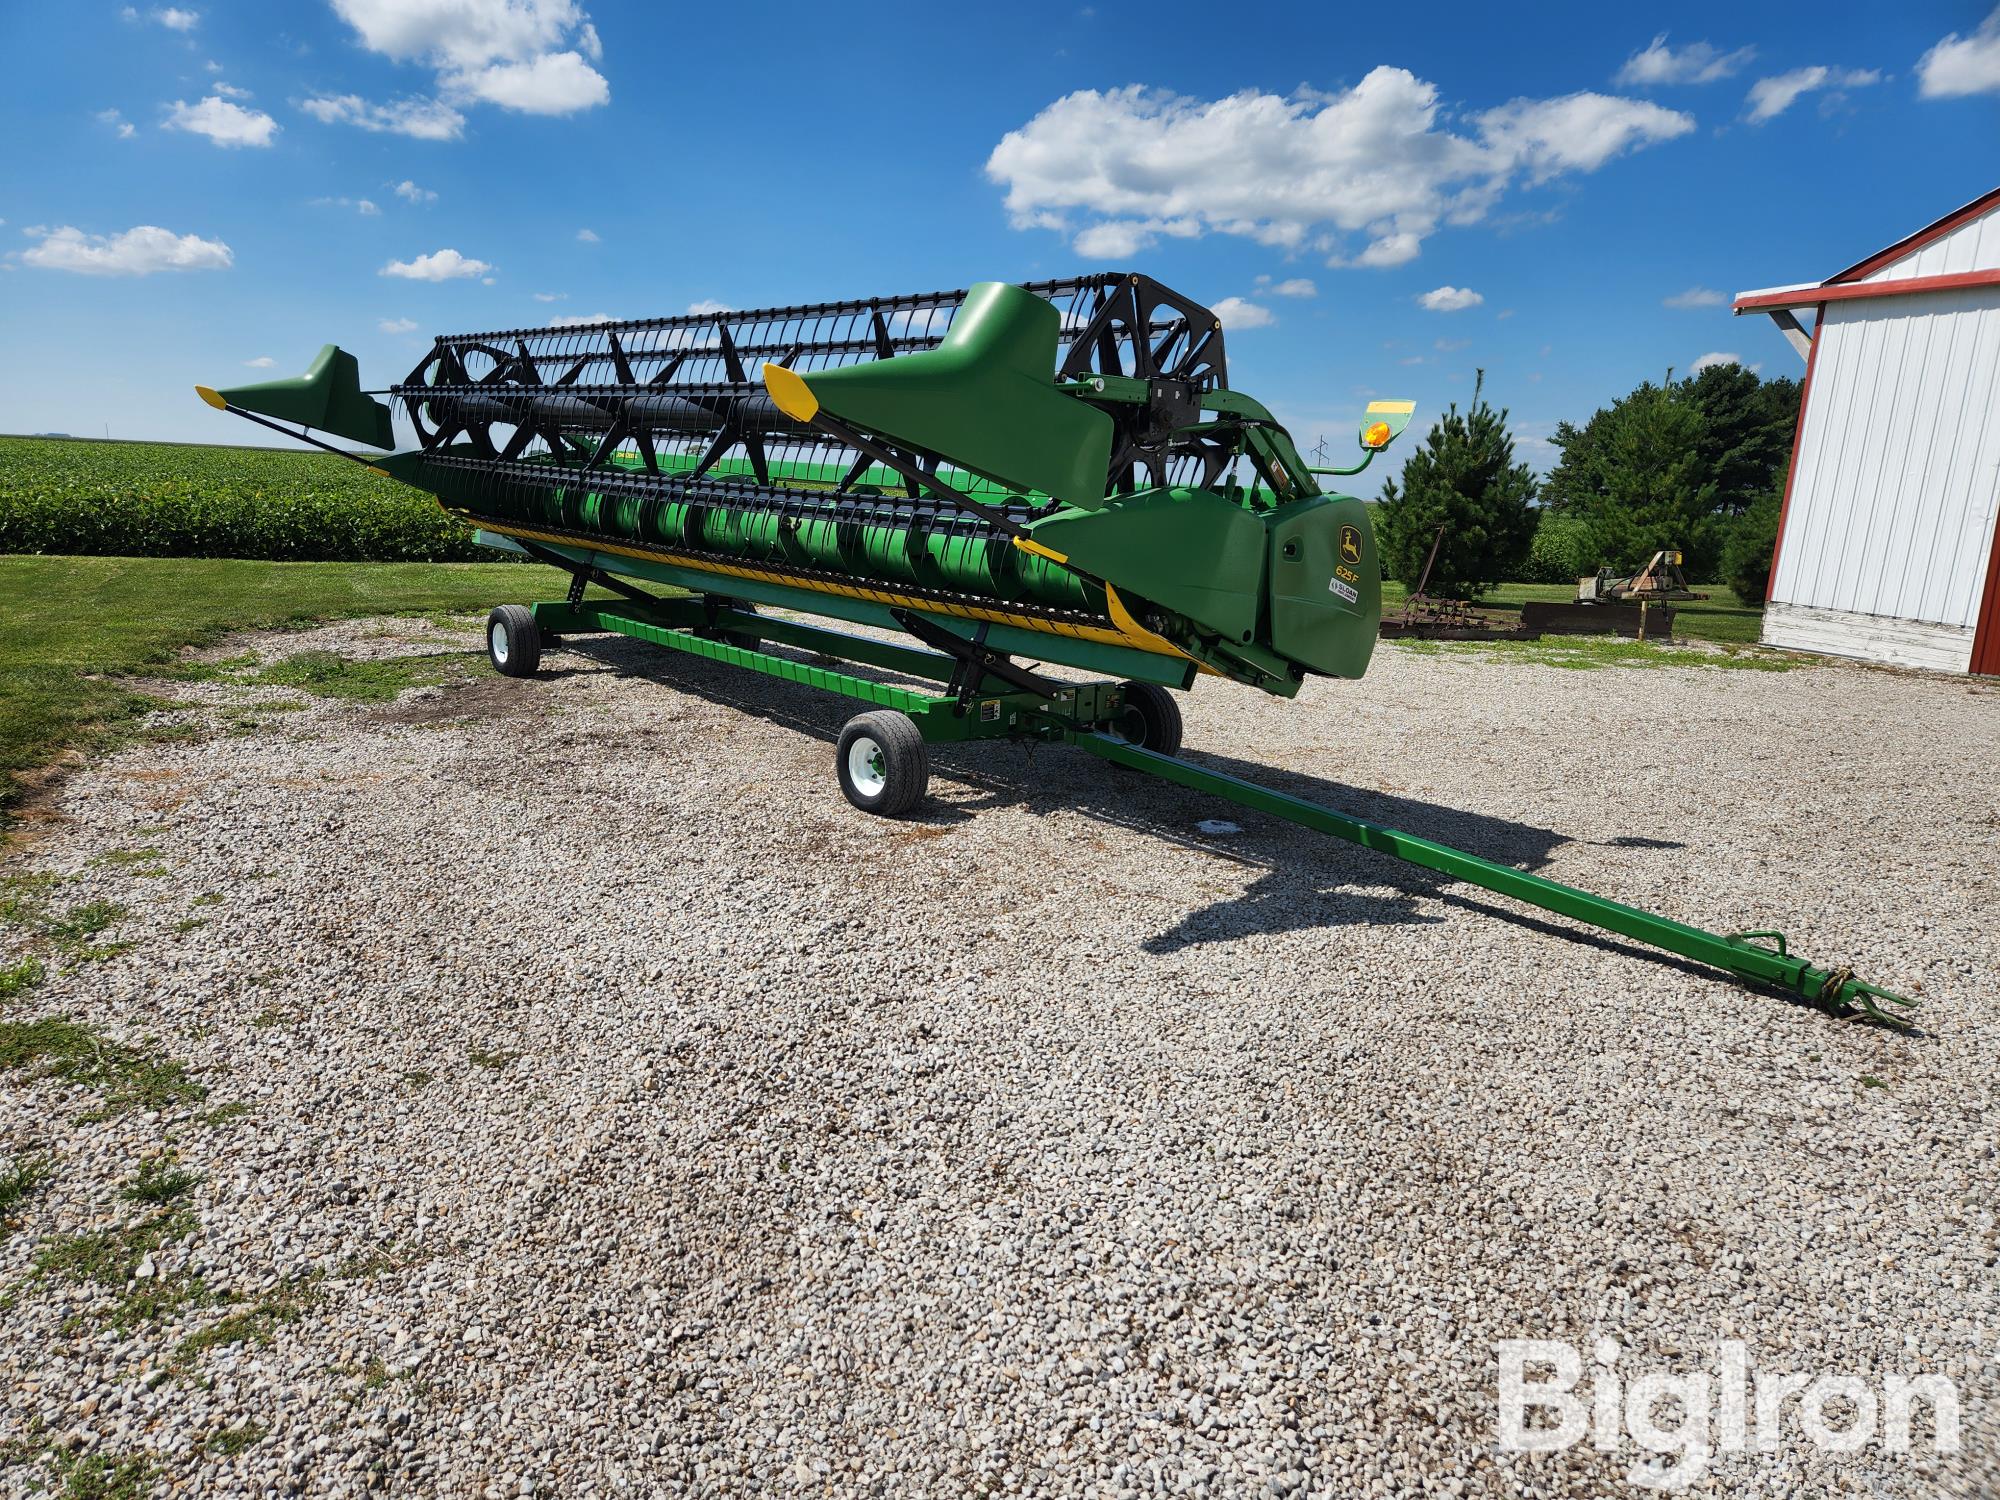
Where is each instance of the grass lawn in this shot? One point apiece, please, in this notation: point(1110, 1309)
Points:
point(70, 627)
point(1721, 617)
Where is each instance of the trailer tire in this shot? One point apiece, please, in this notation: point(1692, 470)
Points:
point(732, 637)
point(1151, 719)
point(742, 638)
point(882, 762)
point(513, 641)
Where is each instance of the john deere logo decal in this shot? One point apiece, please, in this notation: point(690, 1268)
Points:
point(1350, 544)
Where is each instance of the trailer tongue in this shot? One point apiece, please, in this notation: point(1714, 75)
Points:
point(1006, 476)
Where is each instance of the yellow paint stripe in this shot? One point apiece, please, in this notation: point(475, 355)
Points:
point(1386, 408)
point(1035, 549)
point(1138, 638)
point(1133, 630)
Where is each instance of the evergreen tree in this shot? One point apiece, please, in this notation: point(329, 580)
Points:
point(1622, 475)
point(1653, 490)
point(1751, 548)
point(1747, 439)
point(1463, 478)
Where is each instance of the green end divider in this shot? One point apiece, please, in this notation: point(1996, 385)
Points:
point(327, 398)
point(1835, 990)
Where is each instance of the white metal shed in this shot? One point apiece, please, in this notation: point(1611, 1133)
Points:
point(1886, 545)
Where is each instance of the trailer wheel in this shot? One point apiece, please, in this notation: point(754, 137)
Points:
point(742, 638)
point(513, 641)
point(882, 763)
point(732, 637)
point(1150, 719)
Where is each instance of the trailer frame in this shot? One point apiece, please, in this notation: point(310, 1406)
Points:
point(1096, 717)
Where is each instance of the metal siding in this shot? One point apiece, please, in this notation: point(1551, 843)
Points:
point(1893, 505)
point(1971, 480)
point(1972, 246)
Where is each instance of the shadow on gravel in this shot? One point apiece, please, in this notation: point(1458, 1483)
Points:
point(1309, 880)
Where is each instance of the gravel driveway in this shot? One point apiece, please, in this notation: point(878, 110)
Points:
point(592, 1102)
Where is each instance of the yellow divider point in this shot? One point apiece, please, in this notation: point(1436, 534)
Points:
point(794, 397)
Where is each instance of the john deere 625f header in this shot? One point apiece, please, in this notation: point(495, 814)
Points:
point(1057, 472)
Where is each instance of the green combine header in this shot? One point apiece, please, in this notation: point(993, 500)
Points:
point(1008, 477)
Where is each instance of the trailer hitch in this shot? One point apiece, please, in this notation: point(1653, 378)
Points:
point(1762, 957)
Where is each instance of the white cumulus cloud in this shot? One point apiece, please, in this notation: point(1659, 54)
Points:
point(1770, 97)
point(708, 305)
point(1397, 249)
point(1449, 299)
point(523, 55)
point(1115, 239)
point(117, 121)
point(1709, 361)
point(421, 119)
point(1237, 312)
point(221, 121)
point(1576, 133)
point(409, 192)
point(261, 362)
point(587, 236)
point(137, 252)
point(1697, 62)
point(551, 296)
point(1958, 66)
point(581, 320)
point(459, 33)
point(1696, 296)
point(175, 19)
point(398, 325)
point(439, 265)
point(556, 83)
point(1297, 286)
point(1307, 171)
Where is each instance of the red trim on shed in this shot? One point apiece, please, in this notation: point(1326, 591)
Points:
point(1986, 633)
point(1792, 469)
point(1924, 236)
point(1855, 291)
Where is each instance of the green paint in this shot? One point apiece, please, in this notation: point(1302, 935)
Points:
point(327, 398)
point(1760, 957)
point(983, 397)
point(1189, 551)
point(993, 715)
point(1032, 645)
point(1323, 552)
point(1082, 714)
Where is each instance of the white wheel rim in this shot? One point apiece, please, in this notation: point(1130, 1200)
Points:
point(498, 635)
point(865, 767)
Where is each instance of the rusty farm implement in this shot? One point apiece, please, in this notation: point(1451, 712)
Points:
point(1006, 477)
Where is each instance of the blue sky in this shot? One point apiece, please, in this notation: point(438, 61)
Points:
point(1379, 202)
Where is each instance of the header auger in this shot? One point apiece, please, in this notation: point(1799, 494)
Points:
point(1007, 476)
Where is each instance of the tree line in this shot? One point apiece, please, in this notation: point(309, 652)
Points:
point(1696, 464)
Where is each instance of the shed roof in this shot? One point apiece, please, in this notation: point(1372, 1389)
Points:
point(1854, 283)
